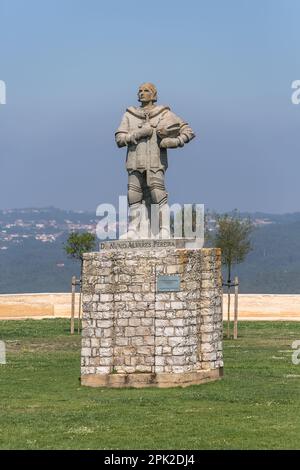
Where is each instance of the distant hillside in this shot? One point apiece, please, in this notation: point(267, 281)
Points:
point(32, 257)
point(274, 264)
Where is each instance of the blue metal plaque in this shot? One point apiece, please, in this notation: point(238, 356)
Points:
point(168, 283)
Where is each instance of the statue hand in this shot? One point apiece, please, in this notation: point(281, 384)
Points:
point(170, 143)
point(138, 134)
point(145, 131)
point(162, 132)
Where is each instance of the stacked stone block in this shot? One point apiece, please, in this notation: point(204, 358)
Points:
point(133, 334)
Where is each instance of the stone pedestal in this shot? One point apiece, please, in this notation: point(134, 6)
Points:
point(136, 335)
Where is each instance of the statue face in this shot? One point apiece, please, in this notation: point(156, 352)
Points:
point(145, 94)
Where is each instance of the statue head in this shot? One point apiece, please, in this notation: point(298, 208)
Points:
point(147, 92)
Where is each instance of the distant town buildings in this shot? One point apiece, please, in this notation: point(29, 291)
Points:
point(16, 225)
point(49, 225)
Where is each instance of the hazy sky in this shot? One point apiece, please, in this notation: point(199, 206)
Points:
point(72, 67)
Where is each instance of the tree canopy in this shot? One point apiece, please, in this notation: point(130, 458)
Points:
point(233, 237)
point(79, 243)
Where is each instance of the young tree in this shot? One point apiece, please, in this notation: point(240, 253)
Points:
point(79, 243)
point(233, 237)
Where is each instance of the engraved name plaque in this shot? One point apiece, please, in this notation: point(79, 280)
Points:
point(168, 283)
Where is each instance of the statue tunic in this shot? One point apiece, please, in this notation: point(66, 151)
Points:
point(146, 154)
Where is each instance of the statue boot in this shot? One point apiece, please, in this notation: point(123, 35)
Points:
point(135, 215)
point(164, 226)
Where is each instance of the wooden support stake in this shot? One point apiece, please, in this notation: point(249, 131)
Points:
point(228, 313)
point(79, 311)
point(236, 297)
point(73, 287)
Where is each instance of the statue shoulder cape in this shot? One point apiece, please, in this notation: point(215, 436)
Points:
point(138, 112)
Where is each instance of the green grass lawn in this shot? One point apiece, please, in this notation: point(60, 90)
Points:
point(43, 406)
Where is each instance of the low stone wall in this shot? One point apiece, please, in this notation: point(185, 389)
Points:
point(272, 307)
point(22, 306)
point(265, 307)
point(134, 335)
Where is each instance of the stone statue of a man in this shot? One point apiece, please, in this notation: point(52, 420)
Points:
point(148, 131)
